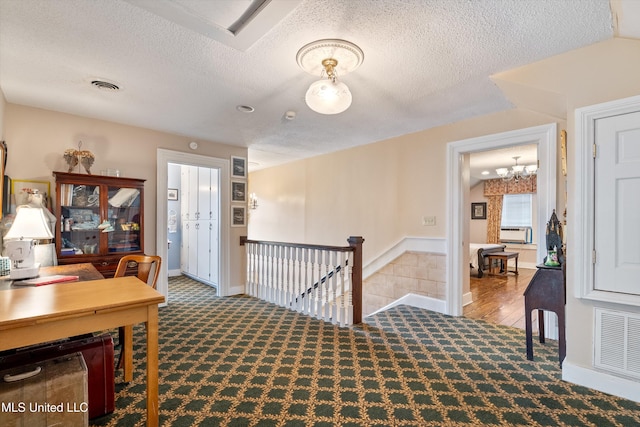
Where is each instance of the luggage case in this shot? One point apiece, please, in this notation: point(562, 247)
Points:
point(98, 356)
point(45, 394)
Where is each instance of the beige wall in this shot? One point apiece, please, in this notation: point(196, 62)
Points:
point(37, 139)
point(380, 191)
point(478, 227)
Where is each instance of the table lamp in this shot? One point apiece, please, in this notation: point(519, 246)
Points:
point(29, 225)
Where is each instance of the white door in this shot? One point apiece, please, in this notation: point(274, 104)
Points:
point(204, 193)
point(617, 204)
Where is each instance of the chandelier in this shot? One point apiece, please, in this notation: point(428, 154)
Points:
point(324, 58)
point(517, 171)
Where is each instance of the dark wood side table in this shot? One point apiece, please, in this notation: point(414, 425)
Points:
point(546, 291)
point(504, 258)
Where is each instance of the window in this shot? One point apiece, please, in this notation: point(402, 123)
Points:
point(516, 210)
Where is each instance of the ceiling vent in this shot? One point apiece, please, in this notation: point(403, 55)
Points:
point(101, 84)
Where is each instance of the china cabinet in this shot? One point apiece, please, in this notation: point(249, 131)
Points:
point(101, 219)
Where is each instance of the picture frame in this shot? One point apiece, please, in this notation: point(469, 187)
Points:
point(238, 216)
point(172, 194)
point(479, 210)
point(20, 188)
point(238, 167)
point(239, 191)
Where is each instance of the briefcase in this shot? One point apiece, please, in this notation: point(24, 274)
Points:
point(45, 394)
point(98, 356)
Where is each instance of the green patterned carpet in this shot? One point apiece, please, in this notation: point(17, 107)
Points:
point(242, 362)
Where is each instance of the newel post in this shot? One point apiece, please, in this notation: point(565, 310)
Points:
point(356, 277)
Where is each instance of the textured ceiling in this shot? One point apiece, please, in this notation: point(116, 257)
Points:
point(427, 63)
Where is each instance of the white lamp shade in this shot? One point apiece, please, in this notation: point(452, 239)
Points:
point(29, 223)
point(327, 97)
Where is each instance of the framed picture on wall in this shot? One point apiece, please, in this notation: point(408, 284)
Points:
point(172, 194)
point(22, 188)
point(479, 210)
point(238, 191)
point(238, 216)
point(238, 167)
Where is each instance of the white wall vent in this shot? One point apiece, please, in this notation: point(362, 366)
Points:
point(617, 342)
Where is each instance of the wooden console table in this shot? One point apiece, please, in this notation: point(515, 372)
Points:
point(503, 257)
point(546, 291)
point(32, 315)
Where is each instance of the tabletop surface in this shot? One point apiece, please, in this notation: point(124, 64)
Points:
point(85, 271)
point(28, 305)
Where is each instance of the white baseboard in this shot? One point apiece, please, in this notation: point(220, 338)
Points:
point(529, 265)
point(236, 290)
point(597, 380)
point(467, 299)
point(419, 301)
point(174, 273)
point(415, 244)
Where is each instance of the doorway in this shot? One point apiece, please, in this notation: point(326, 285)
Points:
point(166, 160)
point(458, 199)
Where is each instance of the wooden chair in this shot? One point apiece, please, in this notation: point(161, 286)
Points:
point(148, 272)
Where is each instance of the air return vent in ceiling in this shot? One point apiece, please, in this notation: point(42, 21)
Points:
point(617, 342)
point(101, 84)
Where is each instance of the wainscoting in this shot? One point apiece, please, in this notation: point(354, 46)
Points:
point(417, 273)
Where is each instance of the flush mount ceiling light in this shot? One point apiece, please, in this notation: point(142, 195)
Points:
point(326, 58)
point(517, 171)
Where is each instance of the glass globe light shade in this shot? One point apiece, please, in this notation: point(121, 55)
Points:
point(502, 172)
point(327, 97)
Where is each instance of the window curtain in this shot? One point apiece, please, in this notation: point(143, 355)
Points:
point(494, 189)
point(494, 217)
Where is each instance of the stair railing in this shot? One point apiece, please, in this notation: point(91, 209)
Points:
point(322, 281)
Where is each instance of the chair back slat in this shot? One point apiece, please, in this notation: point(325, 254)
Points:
point(148, 267)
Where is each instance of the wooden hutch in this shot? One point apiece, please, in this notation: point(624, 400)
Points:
point(101, 219)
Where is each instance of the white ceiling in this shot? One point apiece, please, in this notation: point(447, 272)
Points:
point(181, 70)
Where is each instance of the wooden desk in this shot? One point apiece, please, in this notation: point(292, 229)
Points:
point(504, 258)
point(33, 315)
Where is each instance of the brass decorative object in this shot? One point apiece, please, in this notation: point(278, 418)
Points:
point(84, 157)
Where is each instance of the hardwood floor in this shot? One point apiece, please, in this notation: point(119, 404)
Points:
point(500, 300)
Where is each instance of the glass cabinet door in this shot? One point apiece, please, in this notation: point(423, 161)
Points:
point(123, 211)
point(80, 218)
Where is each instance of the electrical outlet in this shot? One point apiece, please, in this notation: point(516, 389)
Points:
point(428, 220)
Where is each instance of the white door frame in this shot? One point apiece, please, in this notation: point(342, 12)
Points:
point(164, 157)
point(581, 211)
point(545, 137)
